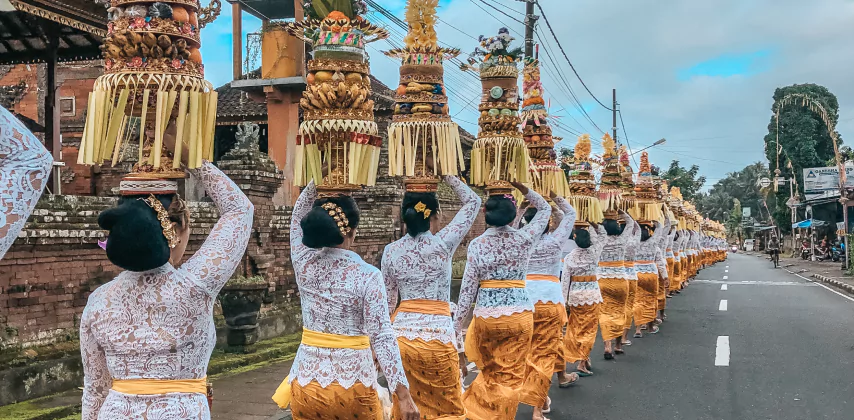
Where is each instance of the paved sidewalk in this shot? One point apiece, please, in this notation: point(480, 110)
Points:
point(246, 396)
point(828, 272)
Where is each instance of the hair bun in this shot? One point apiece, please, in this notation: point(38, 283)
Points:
point(136, 241)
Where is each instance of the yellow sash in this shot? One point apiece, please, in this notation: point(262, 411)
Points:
point(543, 277)
point(282, 396)
point(612, 264)
point(645, 262)
point(502, 284)
point(583, 279)
point(423, 306)
point(160, 386)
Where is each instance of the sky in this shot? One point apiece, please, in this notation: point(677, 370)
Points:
point(699, 74)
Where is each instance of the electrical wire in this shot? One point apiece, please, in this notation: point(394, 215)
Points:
point(549, 25)
point(626, 136)
point(501, 11)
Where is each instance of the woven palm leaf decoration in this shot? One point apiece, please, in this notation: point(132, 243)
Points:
point(582, 185)
point(153, 89)
point(421, 127)
point(611, 183)
point(537, 133)
point(338, 130)
point(499, 155)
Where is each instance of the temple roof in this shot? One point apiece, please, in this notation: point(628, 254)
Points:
point(27, 26)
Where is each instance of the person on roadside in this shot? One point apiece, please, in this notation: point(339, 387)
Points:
point(774, 248)
point(611, 275)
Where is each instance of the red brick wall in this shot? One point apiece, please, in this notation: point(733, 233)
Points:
point(29, 105)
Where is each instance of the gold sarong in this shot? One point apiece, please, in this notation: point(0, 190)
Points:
point(334, 402)
point(612, 312)
point(545, 352)
point(581, 328)
point(503, 344)
point(433, 371)
point(646, 299)
point(630, 298)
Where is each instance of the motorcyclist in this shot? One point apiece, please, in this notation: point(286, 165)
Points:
point(774, 248)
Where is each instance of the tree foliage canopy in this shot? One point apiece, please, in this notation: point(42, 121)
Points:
point(687, 180)
point(803, 140)
point(742, 186)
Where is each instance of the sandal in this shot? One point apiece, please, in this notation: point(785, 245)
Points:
point(638, 335)
point(643, 327)
point(658, 321)
point(584, 373)
point(609, 356)
point(548, 407)
point(573, 379)
point(655, 329)
point(619, 351)
point(627, 342)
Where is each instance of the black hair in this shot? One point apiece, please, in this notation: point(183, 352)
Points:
point(136, 241)
point(500, 211)
point(612, 227)
point(646, 232)
point(415, 221)
point(530, 212)
point(582, 238)
point(320, 230)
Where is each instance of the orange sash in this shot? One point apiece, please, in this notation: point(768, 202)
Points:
point(423, 306)
point(160, 386)
point(645, 262)
point(502, 284)
point(543, 277)
point(612, 264)
point(583, 279)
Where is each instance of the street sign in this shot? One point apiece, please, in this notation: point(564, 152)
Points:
point(818, 180)
point(765, 182)
point(745, 212)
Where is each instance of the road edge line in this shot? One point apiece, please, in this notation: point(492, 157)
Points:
point(828, 280)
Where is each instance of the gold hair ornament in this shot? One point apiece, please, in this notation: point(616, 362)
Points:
point(336, 213)
point(163, 217)
point(422, 208)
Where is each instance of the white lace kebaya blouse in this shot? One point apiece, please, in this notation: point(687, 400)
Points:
point(614, 250)
point(547, 255)
point(649, 252)
point(500, 253)
point(158, 324)
point(631, 250)
point(420, 268)
point(583, 262)
point(24, 168)
point(341, 294)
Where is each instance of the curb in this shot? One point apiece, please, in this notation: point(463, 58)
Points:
point(844, 286)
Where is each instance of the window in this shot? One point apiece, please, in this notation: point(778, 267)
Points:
point(67, 106)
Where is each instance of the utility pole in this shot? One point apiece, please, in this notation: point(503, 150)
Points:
point(614, 111)
point(530, 25)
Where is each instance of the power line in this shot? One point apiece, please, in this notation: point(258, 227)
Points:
point(549, 25)
point(499, 20)
point(501, 11)
point(626, 135)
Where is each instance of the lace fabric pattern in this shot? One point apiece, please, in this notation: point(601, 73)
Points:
point(158, 324)
point(631, 250)
point(341, 294)
point(614, 251)
point(24, 167)
point(583, 262)
point(547, 255)
point(500, 253)
point(420, 268)
point(651, 250)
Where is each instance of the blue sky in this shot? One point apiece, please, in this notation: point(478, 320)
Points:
point(700, 74)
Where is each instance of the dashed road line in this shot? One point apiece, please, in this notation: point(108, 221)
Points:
point(722, 351)
point(723, 305)
point(724, 287)
point(726, 277)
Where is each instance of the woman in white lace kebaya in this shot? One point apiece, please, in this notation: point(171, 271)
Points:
point(650, 266)
point(345, 316)
point(544, 290)
point(24, 168)
point(632, 277)
point(418, 267)
point(613, 283)
point(583, 297)
point(499, 338)
point(146, 336)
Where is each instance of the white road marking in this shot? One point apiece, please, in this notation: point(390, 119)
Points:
point(726, 267)
point(726, 271)
point(757, 283)
point(723, 287)
point(723, 305)
point(722, 351)
point(819, 284)
point(726, 277)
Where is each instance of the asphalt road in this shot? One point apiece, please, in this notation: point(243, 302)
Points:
point(790, 355)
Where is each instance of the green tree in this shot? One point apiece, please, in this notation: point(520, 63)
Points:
point(803, 139)
point(687, 180)
point(741, 185)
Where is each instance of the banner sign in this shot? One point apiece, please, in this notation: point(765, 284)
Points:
point(826, 179)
